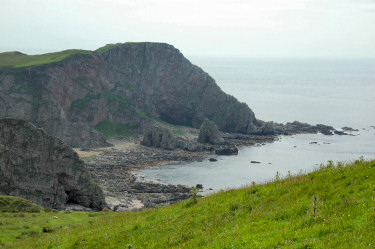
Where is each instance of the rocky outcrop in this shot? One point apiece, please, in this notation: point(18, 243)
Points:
point(227, 151)
point(298, 128)
point(160, 138)
point(127, 85)
point(43, 169)
point(209, 133)
point(265, 128)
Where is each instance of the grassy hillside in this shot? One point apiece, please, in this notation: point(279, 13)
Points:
point(15, 225)
point(17, 59)
point(333, 207)
point(11, 204)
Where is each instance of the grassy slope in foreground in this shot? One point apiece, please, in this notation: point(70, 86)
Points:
point(277, 214)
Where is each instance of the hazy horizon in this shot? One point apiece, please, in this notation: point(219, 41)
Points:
point(221, 28)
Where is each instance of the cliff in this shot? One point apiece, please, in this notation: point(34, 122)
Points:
point(43, 169)
point(80, 96)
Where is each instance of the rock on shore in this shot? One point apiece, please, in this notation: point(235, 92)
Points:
point(209, 133)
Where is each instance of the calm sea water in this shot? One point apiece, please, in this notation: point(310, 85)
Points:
point(332, 92)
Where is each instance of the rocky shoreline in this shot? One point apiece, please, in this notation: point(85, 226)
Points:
point(113, 169)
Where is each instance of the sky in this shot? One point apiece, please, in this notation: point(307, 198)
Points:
point(236, 28)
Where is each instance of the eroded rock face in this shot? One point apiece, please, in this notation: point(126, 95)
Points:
point(130, 84)
point(43, 169)
point(209, 133)
point(159, 137)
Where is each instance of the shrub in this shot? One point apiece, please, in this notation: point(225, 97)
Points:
point(105, 209)
point(193, 197)
point(16, 204)
point(47, 210)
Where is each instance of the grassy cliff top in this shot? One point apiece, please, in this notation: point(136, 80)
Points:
point(17, 59)
point(333, 207)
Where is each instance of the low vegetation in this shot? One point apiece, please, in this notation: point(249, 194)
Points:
point(13, 204)
point(107, 47)
point(16, 226)
point(333, 207)
point(17, 59)
point(113, 129)
point(178, 130)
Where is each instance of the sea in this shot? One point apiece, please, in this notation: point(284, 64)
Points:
point(330, 91)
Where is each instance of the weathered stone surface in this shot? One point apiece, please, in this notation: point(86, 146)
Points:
point(298, 128)
point(266, 128)
point(227, 151)
point(131, 84)
point(43, 169)
point(349, 129)
point(159, 137)
point(209, 133)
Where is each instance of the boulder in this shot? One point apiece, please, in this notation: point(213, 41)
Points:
point(43, 169)
point(199, 186)
point(227, 151)
point(266, 128)
point(209, 133)
point(350, 129)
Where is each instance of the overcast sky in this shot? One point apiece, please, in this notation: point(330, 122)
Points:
point(252, 28)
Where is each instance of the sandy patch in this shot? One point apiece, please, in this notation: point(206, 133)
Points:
point(118, 144)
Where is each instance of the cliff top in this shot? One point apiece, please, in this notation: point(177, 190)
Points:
point(16, 59)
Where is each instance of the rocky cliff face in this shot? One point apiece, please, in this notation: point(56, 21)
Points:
point(43, 169)
point(124, 87)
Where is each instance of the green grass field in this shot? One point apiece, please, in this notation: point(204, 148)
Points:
point(333, 207)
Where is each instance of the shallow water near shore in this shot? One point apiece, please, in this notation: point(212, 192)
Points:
point(332, 92)
point(292, 154)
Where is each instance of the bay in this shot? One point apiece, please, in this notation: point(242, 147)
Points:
point(337, 92)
